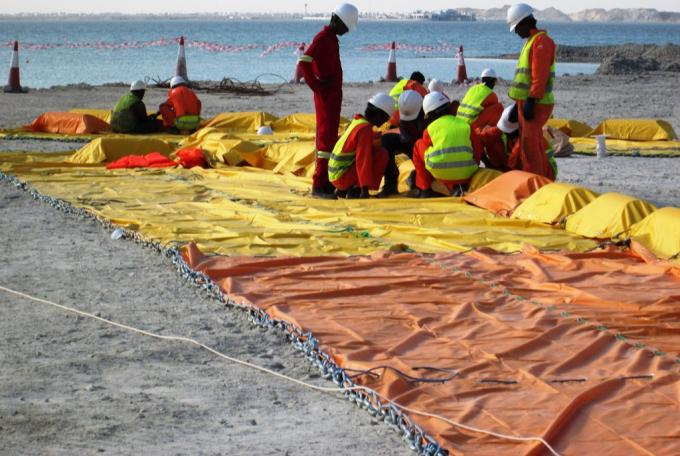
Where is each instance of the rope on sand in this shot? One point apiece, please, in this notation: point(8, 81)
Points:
point(323, 389)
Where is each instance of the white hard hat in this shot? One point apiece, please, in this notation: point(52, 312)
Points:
point(436, 85)
point(410, 104)
point(434, 101)
point(177, 80)
point(383, 102)
point(489, 73)
point(504, 123)
point(518, 12)
point(265, 130)
point(137, 85)
point(349, 14)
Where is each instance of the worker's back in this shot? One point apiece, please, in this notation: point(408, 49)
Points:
point(184, 101)
point(124, 116)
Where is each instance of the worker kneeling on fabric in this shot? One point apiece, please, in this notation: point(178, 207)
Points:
point(411, 128)
point(449, 150)
point(129, 115)
point(358, 161)
point(182, 110)
point(480, 107)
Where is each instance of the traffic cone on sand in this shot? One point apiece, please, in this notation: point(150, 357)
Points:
point(461, 77)
point(297, 76)
point(13, 82)
point(391, 75)
point(181, 61)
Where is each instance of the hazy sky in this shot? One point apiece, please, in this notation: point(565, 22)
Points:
point(178, 6)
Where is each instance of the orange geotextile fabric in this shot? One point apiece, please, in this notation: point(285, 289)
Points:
point(541, 344)
point(68, 123)
point(503, 194)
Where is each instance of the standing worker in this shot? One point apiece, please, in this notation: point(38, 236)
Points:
point(182, 110)
point(358, 161)
point(322, 70)
point(532, 88)
point(449, 150)
point(480, 107)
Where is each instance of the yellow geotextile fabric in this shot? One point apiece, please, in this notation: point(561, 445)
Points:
point(257, 212)
point(610, 215)
point(552, 202)
point(570, 127)
point(20, 133)
point(588, 146)
point(240, 121)
point(636, 130)
point(103, 150)
point(660, 232)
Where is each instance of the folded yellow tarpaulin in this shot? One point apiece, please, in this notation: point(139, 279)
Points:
point(252, 211)
point(570, 127)
point(636, 130)
point(588, 146)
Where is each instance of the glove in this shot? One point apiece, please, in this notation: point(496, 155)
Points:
point(513, 114)
point(528, 109)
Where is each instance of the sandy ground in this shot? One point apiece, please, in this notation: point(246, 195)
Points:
point(73, 386)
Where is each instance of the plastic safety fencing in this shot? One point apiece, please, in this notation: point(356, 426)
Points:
point(580, 349)
point(241, 210)
point(304, 341)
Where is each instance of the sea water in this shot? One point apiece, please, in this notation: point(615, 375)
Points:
point(96, 52)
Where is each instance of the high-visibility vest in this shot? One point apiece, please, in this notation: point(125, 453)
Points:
point(398, 88)
point(519, 89)
point(471, 105)
point(450, 157)
point(340, 160)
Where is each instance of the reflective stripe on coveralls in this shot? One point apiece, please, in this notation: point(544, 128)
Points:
point(471, 105)
point(341, 161)
point(450, 157)
point(519, 89)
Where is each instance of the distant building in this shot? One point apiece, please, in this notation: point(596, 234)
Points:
point(452, 15)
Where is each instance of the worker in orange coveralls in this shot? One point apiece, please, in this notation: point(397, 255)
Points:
point(500, 140)
point(182, 110)
point(532, 88)
point(358, 161)
point(449, 150)
point(322, 71)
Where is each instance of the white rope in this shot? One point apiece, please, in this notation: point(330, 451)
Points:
point(278, 375)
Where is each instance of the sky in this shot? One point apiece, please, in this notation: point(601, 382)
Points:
point(198, 6)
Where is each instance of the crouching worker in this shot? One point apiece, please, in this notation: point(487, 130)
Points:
point(499, 141)
point(129, 115)
point(358, 162)
point(182, 110)
point(449, 150)
point(411, 127)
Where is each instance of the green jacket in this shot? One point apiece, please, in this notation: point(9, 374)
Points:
point(129, 114)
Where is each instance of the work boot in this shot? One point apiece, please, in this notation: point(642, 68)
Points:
point(387, 191)
point(411, 180)
point(353, 193)
point(322, 193)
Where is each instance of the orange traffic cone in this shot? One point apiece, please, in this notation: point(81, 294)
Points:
point(391, 75)
point(13, 83)
point(461, 77)
point(297, 76)
point(181, 61)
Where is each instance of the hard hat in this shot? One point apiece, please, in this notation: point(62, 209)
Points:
point(177, 80)
point(137, 85)
point(434, 101)
point(435, 85)
point(489, 73)
point(518, 12)
point(349, 14)
point(504, 123)
point(410, 103)
point(383, 102)
point(265, 130)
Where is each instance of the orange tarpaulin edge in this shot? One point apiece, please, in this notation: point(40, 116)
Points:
point(541, 344)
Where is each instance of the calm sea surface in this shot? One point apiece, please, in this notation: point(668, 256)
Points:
point(55, 53)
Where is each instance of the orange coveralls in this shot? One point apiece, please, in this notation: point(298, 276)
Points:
point(182, 101)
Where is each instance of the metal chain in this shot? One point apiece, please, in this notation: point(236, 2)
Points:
point(305, 342)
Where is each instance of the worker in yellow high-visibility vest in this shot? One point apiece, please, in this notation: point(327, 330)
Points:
point(532, 89)
point(449, 150)
point(480, 107)
point(358, 161)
